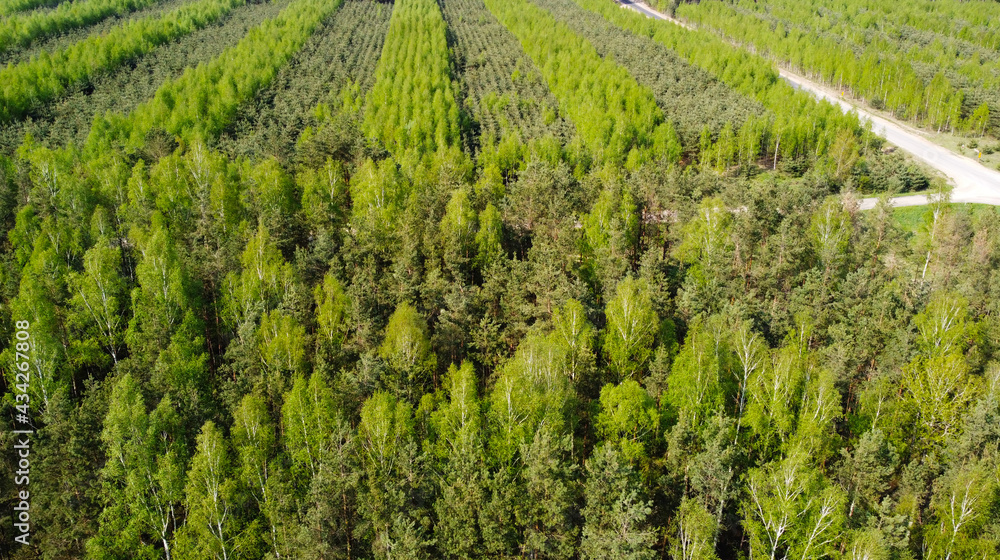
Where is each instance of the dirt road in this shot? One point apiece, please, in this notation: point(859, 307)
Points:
point(971, 181)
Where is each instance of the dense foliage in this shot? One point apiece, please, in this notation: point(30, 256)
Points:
point(21, 29)
point(917, 67)
point(66, 39)
point(368, 343)
point(44, 78)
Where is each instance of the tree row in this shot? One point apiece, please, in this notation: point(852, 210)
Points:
point(203, 101)
point(412, 108)
point(800, 126)
point(616, 118)
point(964, 21)
point(312, 102)
point(689, 97)
point(954, 95)
point(11, 6)
point(21, 29)
point(127, 86)
point(508, 101)
point(47, 76)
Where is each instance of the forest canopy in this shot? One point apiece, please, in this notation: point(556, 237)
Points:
point(458, 279)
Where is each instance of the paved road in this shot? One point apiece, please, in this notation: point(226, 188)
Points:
point(972, 181)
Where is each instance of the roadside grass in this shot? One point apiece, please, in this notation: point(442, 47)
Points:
point(971, 147)
point(911, 218)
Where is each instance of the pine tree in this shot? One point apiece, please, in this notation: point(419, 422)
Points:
point(615, 512)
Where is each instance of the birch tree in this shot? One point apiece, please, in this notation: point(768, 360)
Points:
point(210, 529)
point(144, 475)
point(255, 444)
point(693, 534)
point(407, 348)
point(574, 333)
point(752, 354)
point(631, 331)
point(99, 293)
point(964, 500)
point(790, 512)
